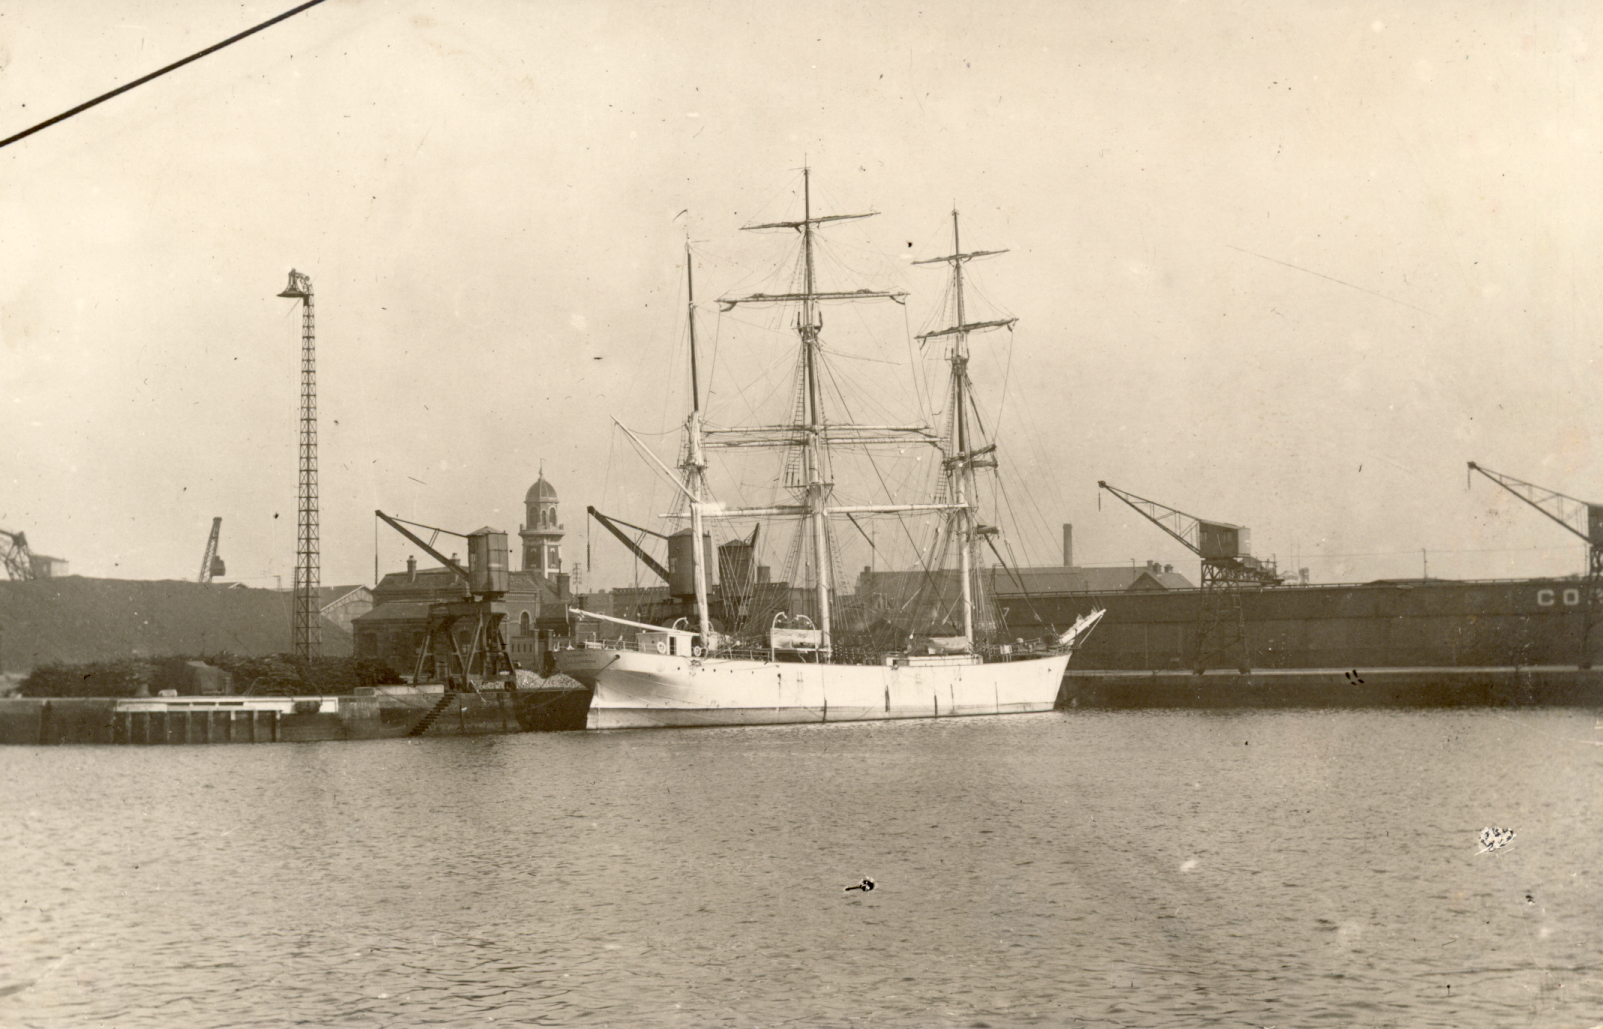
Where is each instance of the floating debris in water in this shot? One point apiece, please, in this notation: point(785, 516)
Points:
point(865, 886)
point(1492, 838)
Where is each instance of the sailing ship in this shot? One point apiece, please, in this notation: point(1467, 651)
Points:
point(818, 660)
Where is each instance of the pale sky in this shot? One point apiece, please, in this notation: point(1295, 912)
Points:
point(1287, 265)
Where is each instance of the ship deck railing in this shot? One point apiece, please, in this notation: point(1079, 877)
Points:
point(842, 655)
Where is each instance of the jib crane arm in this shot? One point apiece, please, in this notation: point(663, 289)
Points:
point(18, 558)
point(1181, 526)
point(209, 563)
point(404, 531)
point(611, 525)
point(1200, 536)
point(1578, 516)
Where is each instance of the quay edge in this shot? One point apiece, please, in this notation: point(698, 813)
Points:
point(379, 714)
point(1334, 688)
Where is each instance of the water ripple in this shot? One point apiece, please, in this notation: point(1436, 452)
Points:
point(1091, 869)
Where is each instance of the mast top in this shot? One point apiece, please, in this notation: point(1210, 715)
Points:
point(810, 295)
point(807, 221)
point(971, 255)
point(957, 259)
point(807, 218)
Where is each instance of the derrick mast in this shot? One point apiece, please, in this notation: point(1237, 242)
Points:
point(307, 624)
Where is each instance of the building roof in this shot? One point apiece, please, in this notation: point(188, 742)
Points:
point(433, 585)
point(394, 610)
point(327, 595)
point(1107, 579)
point(540, 491)
point(1033, 581)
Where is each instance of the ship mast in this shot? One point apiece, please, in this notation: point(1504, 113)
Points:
point(695, 466)
point(808, 324)
point(962, 457)
point(810, 431)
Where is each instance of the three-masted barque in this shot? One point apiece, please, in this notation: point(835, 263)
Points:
point(811, 665)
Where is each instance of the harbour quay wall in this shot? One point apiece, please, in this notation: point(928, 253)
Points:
point(207, 720)
point(1337, 689)
point(1403, 624)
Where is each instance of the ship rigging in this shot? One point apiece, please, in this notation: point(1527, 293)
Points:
point(811, 660)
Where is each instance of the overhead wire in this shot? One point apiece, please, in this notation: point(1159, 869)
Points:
point(158, 73)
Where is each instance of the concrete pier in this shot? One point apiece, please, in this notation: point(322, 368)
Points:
point(372, 714)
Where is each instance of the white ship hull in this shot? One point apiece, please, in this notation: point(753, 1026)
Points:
point(635, 689)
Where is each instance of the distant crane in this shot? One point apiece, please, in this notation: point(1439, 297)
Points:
point(308, 626)
point(1579, 517)
point(211, 565)
point(18, 558)
point(1227, 570)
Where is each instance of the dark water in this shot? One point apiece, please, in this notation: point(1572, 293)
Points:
point(1150, 869)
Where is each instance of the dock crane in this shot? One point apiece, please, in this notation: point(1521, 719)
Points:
point(1227, 570)
point(1582, 519)
point(484, 585)
point(611, 525)
point(18, 558)
point(211, 565)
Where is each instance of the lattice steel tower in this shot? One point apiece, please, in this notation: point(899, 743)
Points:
point(308, 624)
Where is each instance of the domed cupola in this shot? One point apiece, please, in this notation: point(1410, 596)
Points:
point(541, 492)
point(542, 532)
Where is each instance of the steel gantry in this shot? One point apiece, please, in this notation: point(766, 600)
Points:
point(308, 625)
point(465, 661)
point(1227, 570)
point(14, 551)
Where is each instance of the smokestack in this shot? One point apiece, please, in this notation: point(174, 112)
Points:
point(411, 568)
point(1068, 545)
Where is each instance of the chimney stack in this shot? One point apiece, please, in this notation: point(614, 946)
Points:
point(411, 568)
point(1068, 545)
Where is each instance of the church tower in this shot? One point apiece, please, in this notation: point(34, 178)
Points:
point(542, 534)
